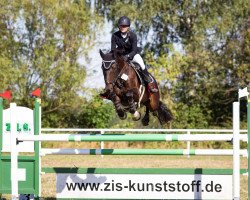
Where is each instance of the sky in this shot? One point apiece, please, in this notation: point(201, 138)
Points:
point(94, 72)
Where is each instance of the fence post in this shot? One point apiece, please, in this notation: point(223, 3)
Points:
point(1, 127)
point(188, 145)
point(248, 144)
point(14, 153)
point(37, 131)
point(236, 150)
point(102, 143)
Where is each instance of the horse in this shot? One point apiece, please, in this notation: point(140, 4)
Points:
point(127, 91)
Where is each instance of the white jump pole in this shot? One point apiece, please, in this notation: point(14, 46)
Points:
point(236, 151)
point(94, 130)
point(129, 137)
point(102, 143)
point(203, 152)
point(14, 153)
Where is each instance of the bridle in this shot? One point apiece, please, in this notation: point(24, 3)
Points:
point(108, 67)
point(107, 61)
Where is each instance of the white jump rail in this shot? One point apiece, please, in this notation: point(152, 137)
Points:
point(203, 152)
point(140, 130)
point(103, 131)
point(129, 137)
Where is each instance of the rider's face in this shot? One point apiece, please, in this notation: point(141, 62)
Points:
point(124, 29)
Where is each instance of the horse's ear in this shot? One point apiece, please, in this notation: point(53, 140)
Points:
point(101, 53)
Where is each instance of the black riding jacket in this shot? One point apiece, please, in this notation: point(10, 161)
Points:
point(129, 43)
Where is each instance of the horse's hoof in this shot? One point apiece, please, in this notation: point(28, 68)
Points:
point(145, 121)
point(136, 116)
point(124, 116)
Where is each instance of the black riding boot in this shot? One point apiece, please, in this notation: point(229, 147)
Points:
point(149, 81)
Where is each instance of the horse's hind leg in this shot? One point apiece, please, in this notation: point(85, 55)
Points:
point(145, 119)
point(131, 102)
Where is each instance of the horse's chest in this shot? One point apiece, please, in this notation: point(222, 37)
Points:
point(120, 90)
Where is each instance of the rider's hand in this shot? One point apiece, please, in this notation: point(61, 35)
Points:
point(127, 57)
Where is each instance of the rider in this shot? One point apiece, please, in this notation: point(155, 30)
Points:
point(125, 38)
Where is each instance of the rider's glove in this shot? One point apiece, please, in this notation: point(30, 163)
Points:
point(127, 57)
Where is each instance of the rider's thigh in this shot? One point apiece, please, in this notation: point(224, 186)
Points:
point(138, 59)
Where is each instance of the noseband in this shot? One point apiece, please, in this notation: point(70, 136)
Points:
point(109, 65)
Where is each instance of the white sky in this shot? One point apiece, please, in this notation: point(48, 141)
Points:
point(94, 72)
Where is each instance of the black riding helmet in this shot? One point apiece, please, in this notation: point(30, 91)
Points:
point(124, 21)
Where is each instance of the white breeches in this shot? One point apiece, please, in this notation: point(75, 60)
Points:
point(138, 59)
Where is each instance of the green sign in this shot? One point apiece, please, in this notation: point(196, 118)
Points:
point(20, 127)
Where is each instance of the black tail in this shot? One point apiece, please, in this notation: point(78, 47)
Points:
point(164, 114)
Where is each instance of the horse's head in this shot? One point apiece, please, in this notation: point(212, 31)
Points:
point(112, 64)
point(109, 66)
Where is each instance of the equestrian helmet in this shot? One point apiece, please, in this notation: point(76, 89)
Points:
point(124, 21)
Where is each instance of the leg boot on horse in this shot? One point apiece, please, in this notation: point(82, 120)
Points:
point(105, 94)
point(118, 106)
point(132, 106)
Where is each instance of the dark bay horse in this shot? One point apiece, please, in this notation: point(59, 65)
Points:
point(127, 90)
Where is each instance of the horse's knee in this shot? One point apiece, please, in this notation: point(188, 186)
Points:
point(129, 95)
point(112, 96)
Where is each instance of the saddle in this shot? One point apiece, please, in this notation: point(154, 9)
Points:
point(137, 69)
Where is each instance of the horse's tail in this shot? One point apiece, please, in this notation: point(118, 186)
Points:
point(164, 114)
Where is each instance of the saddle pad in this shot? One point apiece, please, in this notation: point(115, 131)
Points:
point(137, 69)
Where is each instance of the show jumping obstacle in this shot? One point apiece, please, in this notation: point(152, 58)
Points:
point(22, 174)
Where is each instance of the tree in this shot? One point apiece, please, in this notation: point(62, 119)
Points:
point(40, 44)
point(212, 37)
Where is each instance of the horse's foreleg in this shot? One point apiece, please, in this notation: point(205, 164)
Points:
point(118, 106)
point(132, 107)
point(131, 102)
